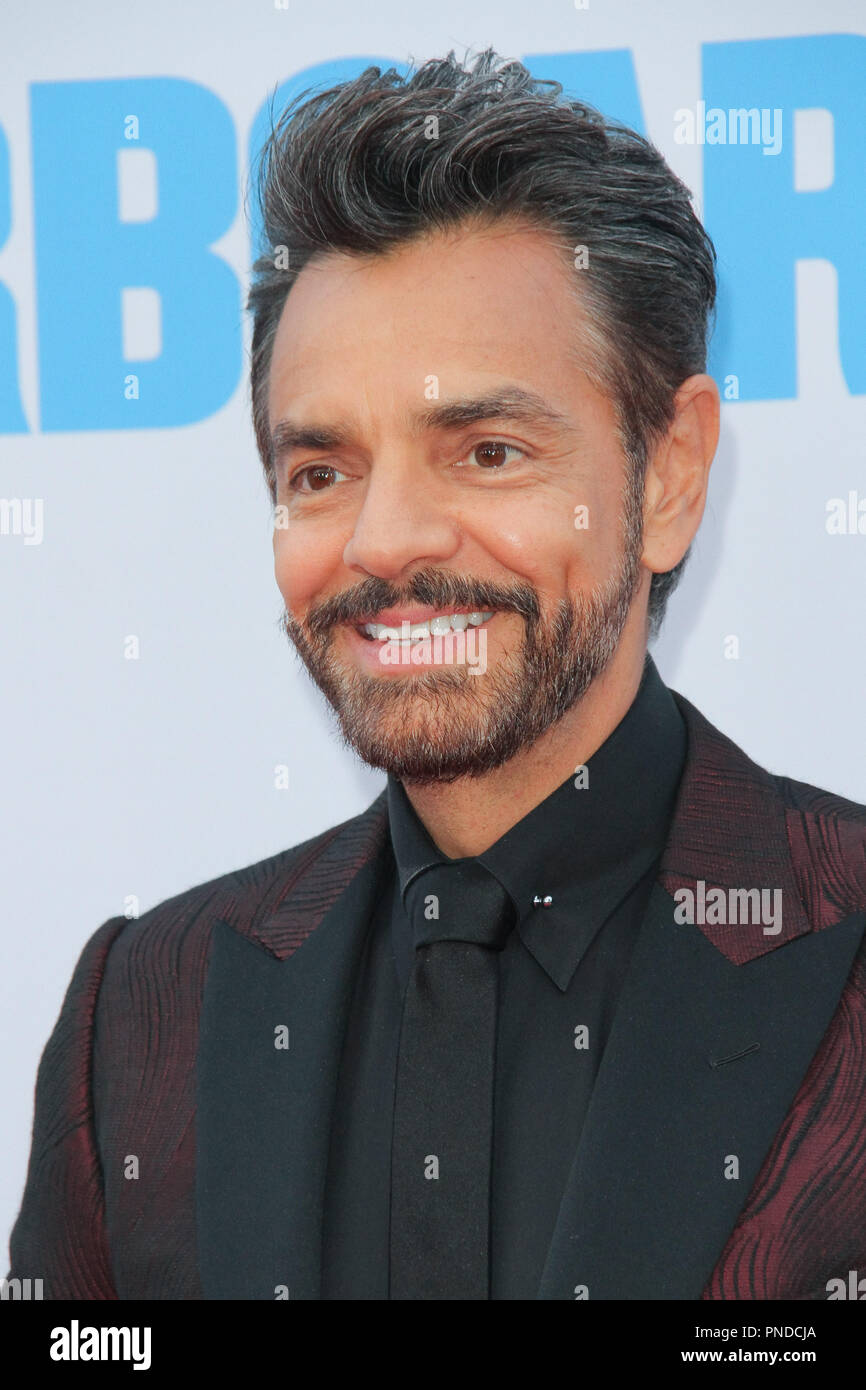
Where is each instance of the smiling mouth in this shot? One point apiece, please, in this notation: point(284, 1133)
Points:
point(437, 626)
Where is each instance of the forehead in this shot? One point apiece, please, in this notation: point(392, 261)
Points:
point(474, 301)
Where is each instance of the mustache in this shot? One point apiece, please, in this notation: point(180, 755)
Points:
point(431, 587)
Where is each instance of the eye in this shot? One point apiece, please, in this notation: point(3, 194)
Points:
point(491, 454)
point(321, 477)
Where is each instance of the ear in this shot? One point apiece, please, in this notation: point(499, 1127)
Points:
point(678, 471)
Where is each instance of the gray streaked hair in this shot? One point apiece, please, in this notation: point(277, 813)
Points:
point(350, 170)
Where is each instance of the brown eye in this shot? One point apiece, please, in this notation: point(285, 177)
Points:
point(493, 453)
point(320, 475)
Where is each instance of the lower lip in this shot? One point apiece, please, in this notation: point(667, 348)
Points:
point(369, 650)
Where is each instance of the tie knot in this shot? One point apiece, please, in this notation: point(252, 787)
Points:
point(459, 901)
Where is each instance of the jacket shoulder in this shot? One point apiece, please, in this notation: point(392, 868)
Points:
point(827, 839)
point(736, 823)
point(818, 801)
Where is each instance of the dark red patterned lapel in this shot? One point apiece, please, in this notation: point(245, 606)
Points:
point(735, 826)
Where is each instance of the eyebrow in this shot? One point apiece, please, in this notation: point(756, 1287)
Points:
point(513, 403)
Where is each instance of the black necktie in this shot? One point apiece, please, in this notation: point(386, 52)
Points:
point(443, 1116)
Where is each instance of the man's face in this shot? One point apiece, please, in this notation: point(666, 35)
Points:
point(445, 455)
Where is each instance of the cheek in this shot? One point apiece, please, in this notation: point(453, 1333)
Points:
point(565, 540)
point(596, 541)
point(303, 564)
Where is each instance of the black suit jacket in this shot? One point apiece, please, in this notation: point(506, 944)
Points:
point(179, 1154)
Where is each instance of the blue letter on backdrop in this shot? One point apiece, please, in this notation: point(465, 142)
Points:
point(604, 79)
point(86, 256)
point(761, 226)
point(12, 419)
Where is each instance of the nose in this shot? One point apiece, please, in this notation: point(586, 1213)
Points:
point(401, 522)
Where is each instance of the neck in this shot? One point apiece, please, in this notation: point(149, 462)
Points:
point(466, 817)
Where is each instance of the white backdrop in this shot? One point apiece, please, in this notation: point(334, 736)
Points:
point(145, 777)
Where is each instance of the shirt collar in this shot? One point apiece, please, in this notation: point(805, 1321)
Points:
point(587, 844)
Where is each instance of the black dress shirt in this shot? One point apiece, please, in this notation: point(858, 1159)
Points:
point(593, 851)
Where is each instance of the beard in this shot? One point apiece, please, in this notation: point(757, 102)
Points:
point(438, 725)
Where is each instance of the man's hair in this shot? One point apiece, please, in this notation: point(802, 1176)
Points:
point(354, 169)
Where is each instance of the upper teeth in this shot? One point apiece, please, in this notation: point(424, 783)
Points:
point(434, 627)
